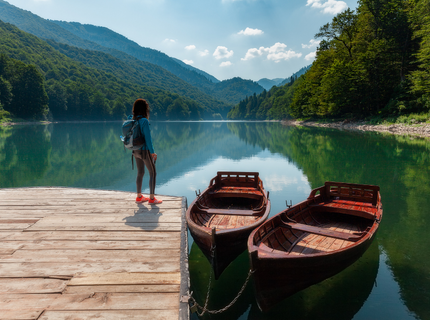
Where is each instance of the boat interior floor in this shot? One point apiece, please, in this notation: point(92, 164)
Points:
point(220, 221)
point(301, 239)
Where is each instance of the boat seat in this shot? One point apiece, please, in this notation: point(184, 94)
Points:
point(235, 192)
point(325, 232)
point(359, 209)
point(237, 212)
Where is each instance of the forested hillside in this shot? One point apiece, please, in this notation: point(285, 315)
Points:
point(374, 61)
point(272, 104)
point(76, 91)
point(110, 39)
point(105, 40)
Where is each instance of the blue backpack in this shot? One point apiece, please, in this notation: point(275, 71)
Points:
point(132, 137)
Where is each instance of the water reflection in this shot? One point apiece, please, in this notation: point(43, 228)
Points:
point(291, 162)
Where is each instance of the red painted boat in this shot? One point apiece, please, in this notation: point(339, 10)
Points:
point(313, 240)
point(221, 218)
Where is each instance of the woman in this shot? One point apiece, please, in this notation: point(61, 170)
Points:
point(146, 155)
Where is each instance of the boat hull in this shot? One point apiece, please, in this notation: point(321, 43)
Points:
point(309, 257)
point(220, 223)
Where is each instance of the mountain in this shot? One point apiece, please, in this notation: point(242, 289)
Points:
point(295, 75)
point(110, 39)
point(97, 88)
point(205, 82)
point(269, 83)
point(105, 40)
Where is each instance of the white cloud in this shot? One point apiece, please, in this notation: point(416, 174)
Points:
point(169, 41)
point(276, 53)
point(278, 182)
point(330, 6)
point(312, 44)
point(311, 56)
point(222, 52)
point(188, 61)
point(204, 53)
point(190, 47)
point(251, 32)
point(225, 64)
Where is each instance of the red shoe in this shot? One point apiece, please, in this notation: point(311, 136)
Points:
point(141, 199)
point(154, 201)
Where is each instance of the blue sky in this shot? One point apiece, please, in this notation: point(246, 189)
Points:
point(251, 39)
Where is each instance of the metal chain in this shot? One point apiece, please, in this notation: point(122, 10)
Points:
point(204, 309)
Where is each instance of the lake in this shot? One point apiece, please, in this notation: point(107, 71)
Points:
point(390, 281)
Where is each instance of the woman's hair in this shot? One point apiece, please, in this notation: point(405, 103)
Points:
point(140, 108)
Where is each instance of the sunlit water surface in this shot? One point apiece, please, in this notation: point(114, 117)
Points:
point(390, 281)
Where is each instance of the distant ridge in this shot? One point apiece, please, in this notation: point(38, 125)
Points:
point(295, 75)
point(198, 78)
point(269, 83)
point(105, 40)
point(110, 39)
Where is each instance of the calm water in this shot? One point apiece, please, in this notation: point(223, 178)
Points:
point(391, 281)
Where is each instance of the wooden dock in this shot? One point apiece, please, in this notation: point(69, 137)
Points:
point(68, 253)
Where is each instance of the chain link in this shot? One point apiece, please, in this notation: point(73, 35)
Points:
point(204, 309)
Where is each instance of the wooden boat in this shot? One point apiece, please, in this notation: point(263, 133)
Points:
point(221, 218)
point(313, 240)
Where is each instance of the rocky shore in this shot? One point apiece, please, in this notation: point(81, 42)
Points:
point(418, 129)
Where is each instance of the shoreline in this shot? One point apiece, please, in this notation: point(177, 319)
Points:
point(420, 129)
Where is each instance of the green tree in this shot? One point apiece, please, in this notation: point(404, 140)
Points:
point(341, 31)
point(30, 98)
point(420, 19)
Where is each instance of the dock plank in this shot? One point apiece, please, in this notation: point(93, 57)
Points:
point(48, 269)
point(32, 285)
point(144, 226)
point(122, 288)
point(125, 278)
point(19, 314)
point(71, 253)
point(91, 256)
point(110, 315)
point(162, 244)
point(92, 236)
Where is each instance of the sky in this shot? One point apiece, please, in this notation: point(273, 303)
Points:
point(251, 39)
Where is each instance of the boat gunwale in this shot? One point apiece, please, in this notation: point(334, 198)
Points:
point(314, 200)
point(261, 217)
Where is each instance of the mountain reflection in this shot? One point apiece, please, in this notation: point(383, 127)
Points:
point(91, 155)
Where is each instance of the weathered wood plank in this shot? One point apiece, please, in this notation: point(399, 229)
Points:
point(105, 219)
point(15, 226)
point(16, 220)
point(91, 256)
point(145, 226)
point(110, 315)
point(161, 244)
point(124, 257)
point(23, 301)
point(91, 236)
point(79, 199)
point(125, 278)
point(49, 269)
point(116, 301)
point(122, 288)
point(6, 251)
point(67, 191)
point(40, 212)
point(19, 314)
point(7, 247)
point(32, 285)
